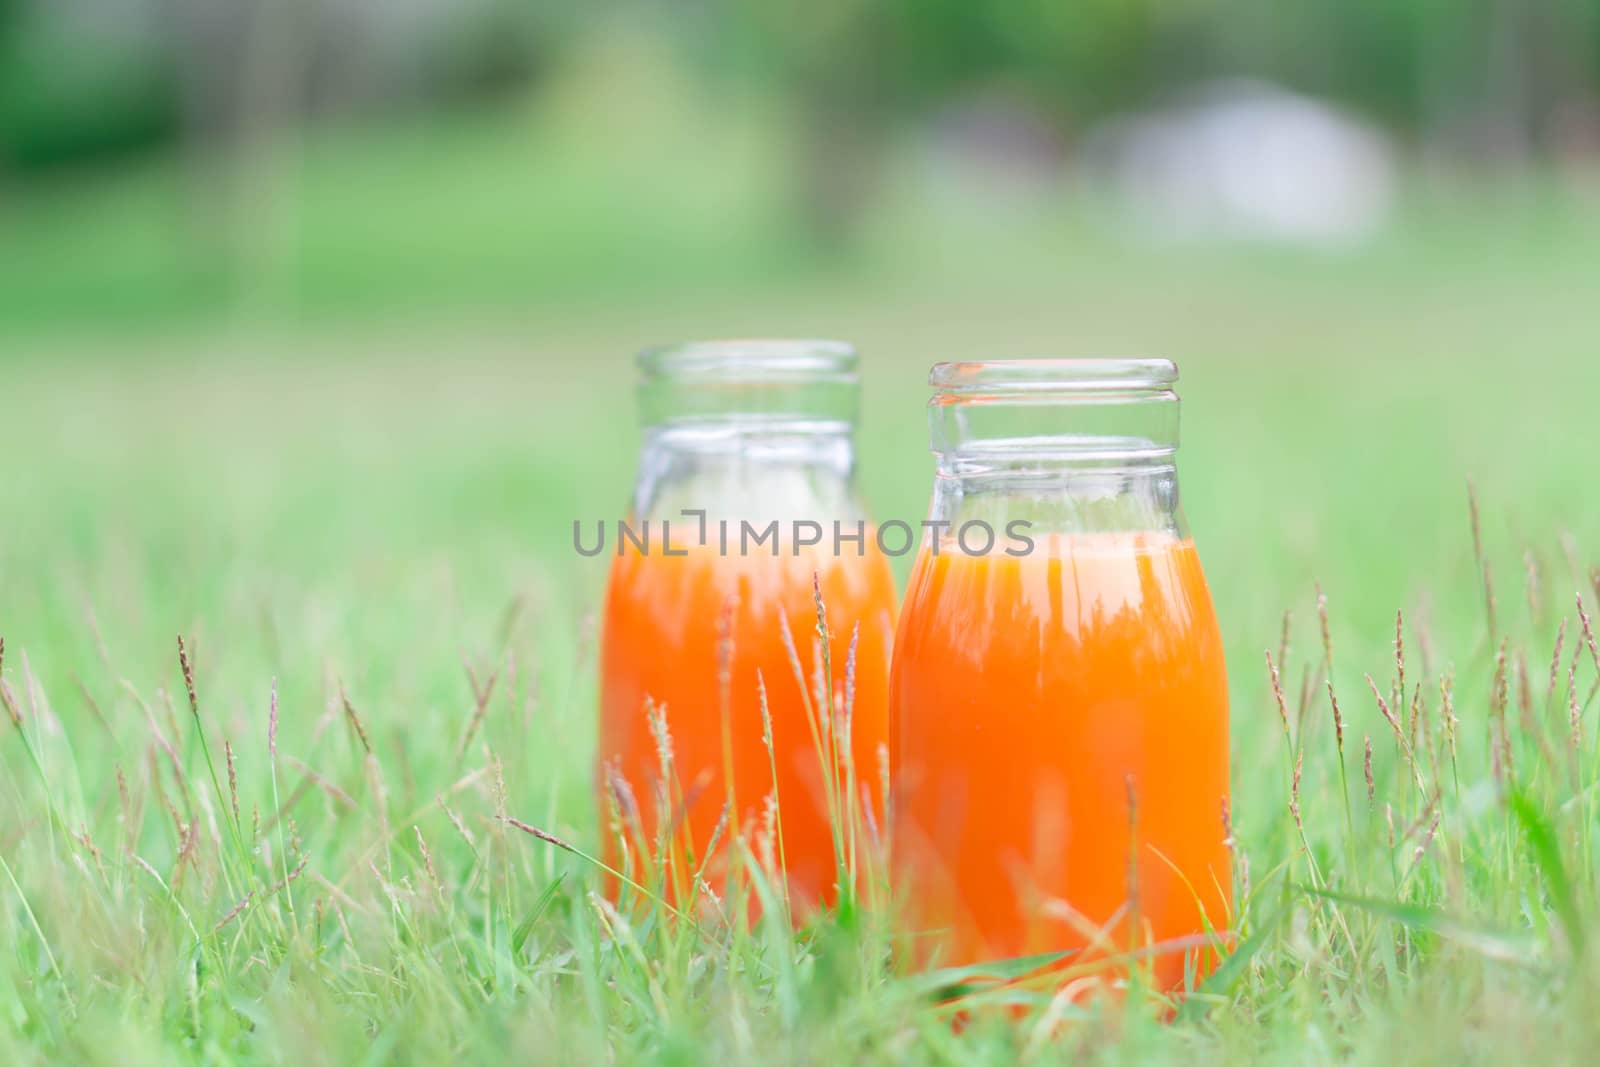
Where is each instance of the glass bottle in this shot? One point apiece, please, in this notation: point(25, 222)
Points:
point(744, 512)
point(1059, 703)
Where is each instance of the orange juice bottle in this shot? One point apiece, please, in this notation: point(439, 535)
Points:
point(744, 511)
point(1059, 704)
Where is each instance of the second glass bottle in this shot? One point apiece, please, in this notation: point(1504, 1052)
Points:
point(748, 455)
point(1059, 700)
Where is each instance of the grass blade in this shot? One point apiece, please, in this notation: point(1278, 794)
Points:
point(520, 936)
point(1220, 981)
point(1547, 854)
point(1483, 938)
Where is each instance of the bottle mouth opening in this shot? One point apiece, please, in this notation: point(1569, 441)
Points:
point(755, 361)
point(1044, 379)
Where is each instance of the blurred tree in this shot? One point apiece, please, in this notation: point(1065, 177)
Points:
point(82, 79)
point(1493, 75)
point(837, 68)
point(87, 79)
point(853, 70)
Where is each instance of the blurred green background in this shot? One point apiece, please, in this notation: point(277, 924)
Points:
point(316, 315)
point(169, 163)
point(316, 329)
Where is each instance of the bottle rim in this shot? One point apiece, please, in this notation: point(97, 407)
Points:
point(1011, 414)
point(1042, 377)
point(751, 361)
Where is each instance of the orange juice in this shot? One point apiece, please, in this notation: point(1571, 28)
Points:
point(1060, 725)
point(692, 633)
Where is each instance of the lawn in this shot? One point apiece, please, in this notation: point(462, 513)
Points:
point(365, 516)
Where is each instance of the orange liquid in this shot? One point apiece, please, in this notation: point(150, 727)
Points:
point(664, 621)
point(1030, 696)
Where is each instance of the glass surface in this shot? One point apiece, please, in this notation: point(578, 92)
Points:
point(1059, 704)
point(750, 434)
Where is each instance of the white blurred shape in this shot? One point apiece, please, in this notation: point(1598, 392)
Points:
point(1252, 160)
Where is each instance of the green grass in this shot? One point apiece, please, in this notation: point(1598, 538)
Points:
point(383, 511)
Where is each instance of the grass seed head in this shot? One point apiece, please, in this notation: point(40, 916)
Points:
point(1588, 633)
point(542, 835)
point(481, 695)
point(1277, 694)
point(1400, 653)
point(272, 721)
point(1366, 766)
point(1417, 712)
point(1447, 711)
point(187, 666)
point(627, 802)
point(1294, 792)
point(10, 701)
point(6, 696)
point(766, 840)
point(766, 712)
point(1555, 660)
point(656, 717)
point(455, 821)
point(1422, 847)
point(83, 838)
point(233, 779)
point(354, 720)
point(1338, 719)
point(427, 861)
point(870, 818)
point(822, 611)
point(1574, 712)
point(1388, 715)
point(289, 878)
point(1499, 701)
point(850, 684)
point(238, 909)
point(1327, 633)
point(186, 852)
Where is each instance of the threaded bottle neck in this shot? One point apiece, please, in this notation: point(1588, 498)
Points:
point(789, 385)
point(1040, 414)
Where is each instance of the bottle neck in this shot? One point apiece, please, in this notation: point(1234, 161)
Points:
point(1062, 496)
point(752, 468)
point(756, 430)
point(802, 381)
point(1065, 446)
